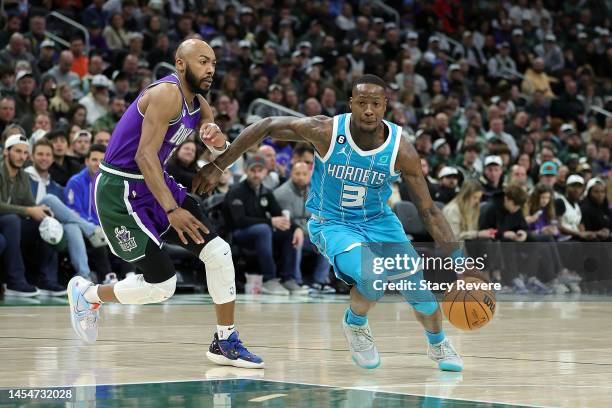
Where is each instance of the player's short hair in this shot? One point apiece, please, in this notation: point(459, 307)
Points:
point(100, 148)
point(370, 79)
point(516, 193)
point(42, 142)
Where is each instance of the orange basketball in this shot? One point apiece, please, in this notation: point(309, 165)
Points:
point(468, 308)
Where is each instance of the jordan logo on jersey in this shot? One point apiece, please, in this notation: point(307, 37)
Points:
point(343, 151)
point(180, 135)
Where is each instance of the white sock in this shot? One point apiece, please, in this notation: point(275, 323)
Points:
point(91, 294)
point(225, 331)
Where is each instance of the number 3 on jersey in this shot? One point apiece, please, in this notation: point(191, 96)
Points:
point(353, 196)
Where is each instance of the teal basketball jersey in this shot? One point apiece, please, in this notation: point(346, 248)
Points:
point(350, 184)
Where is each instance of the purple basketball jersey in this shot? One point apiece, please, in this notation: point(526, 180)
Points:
point(121, 150)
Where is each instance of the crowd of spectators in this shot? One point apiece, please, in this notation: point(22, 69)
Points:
point(506, 102)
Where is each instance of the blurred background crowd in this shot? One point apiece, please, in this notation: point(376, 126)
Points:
point(508, 104)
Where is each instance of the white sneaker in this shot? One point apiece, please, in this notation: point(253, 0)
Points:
point(274, 287)
point(295, 289)
point(84, 316)
point(110, 278)
point(361, 344)
point(558, 288)
point(445, 355)
point(98, 239)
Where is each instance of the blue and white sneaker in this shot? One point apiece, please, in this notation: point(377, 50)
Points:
point(361, 344)
point(84, 316)
point(231, 352)
point(446, 356)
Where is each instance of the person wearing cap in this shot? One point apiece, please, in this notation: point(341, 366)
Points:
point(258, 222)
point(26, 85)
point(292, 196)
point(502, 65)
point(62, 72)
point(412, 45)
point(442, 152)
point(568, 208)
point(63, 166)
point(491, 179)
point(422, 142)
point(96, 101)
point(548, 173)
point(448, 184)
point(46, 56)
point(551, 53)
point(19, 220)
point(79, 145)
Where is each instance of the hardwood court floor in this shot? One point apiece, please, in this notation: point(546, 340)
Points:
point(553, 353)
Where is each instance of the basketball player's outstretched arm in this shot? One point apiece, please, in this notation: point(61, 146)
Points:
point(161, 104)
point(409, 163)
point(315, 130)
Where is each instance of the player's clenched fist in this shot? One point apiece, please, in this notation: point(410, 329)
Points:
point(211, 135)
point(206, 180)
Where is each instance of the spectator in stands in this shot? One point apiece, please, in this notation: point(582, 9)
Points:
point(497, 131)
point(80, 61)
point(80, 144)
point(115, 35)
point(46, 191)
point(63, 166)
point(26, 85)
point(62, 104)
point(537, 80)
point(183, 165)
point(272, 178)
point(102, 137)
point(258, 223)
point(291, 196)
point(506, 218)
point(62, 72)
point(20, 220)
point(568, 209)
point(7, 111)
point(109, 120)
point(79, 197)
point(96, 101)
point(448, 185)
point(16, 51)
point(463, 211)
point(492, 177)
point(518, 176)
point(471, 164)
point(596, 218)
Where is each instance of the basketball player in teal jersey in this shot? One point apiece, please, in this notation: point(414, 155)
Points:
point(358, 156)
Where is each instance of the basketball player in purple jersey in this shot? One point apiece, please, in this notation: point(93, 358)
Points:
point(140, 206)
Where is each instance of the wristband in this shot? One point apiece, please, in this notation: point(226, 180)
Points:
point(218, 151)
point(170, 211)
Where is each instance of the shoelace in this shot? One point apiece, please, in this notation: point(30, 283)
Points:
point(445, 349)
point(363, 338)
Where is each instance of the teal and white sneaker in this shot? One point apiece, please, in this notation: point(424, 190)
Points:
point(446, 356)
point(361, 344)
point(84, 316)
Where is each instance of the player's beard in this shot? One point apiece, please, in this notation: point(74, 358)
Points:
point(193, 83)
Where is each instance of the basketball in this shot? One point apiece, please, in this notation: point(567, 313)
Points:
point(466, 306)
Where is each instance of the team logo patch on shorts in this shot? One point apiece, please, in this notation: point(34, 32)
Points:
point(126, 242)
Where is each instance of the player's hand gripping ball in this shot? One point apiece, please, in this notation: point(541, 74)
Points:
point(469, 304)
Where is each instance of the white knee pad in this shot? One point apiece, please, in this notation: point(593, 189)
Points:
point(217, 256)
point(133, 290)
